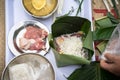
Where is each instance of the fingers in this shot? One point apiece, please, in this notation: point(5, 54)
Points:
point(109, 64)
point(111, 67)
point(105, 65)
point(112, 64)
point(110, 57)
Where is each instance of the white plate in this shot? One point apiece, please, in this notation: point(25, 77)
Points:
point(17, 32)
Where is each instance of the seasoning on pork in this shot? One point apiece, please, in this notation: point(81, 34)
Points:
point(33, 39)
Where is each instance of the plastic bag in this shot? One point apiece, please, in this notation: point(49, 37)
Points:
point(113, 46)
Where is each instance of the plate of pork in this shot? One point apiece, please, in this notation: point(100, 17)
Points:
point(28, 37)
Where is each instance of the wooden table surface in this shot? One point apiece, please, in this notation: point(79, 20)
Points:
point(2, 36)
point(99, 10)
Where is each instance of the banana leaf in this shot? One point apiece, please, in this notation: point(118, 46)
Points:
point(112, 18)
point(104, 28)
point(103, 34)
point(101, 46)
point(103, 22)
point(65, 59)
point(92, 72)
point(71, 24)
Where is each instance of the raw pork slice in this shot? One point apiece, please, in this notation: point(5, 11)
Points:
point(33, 39)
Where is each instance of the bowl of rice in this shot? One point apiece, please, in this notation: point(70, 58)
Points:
point(29, 67)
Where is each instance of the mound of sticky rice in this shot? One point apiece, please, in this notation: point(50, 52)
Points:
point(71, 44)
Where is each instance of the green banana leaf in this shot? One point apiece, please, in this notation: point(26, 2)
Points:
point(101, 46)
point(103, 34)
point(87, 43)
point(112, 18)
point(92, 72)
point(103, 23)
point(65, 59)
point(71, 24)
point(104, 29)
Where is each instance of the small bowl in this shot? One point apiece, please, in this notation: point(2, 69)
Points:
point(37, 61)
point(44, 12)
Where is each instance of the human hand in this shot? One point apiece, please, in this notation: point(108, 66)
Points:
point(112, 64)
